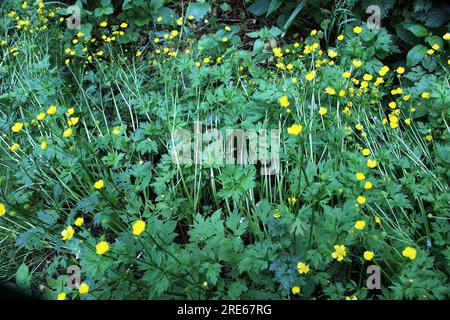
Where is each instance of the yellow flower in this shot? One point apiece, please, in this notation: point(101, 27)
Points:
point(277, 52)
point(368, 255)
point(294, 80)
point(357, 29)
point(159, 19)
point(377, 219)
point(310, 75)
point(68, 233)
point(73, 121)
point(292, 200)
point(392, 105)
point(323, 111)
point(430, 52)
point(435, 46)
point(225, 39)
point(357, 63)
point(400, 70)
point(295, 290)
point(429, 137)
point(100, 184)
point(361, 199)
point(330, 91)
point(116, 130)
point(17, 127)
point(102, 247)
point(339, 253)
point(332, 54)
point(191, 18)
point(425, 95)
point(2, 209)
point(410, 253)
point(302, 268)
point(313, 32)
point(84, 288)
point(446, 36)
point(14, 147)
point(40, 116)
point(68, 133)
point(365, 152)
point(79, 221)
point(359, 127)
point(52, 110)
point(371, 163)
point(383, 71)
point(284, 101)
point(340, 37)
point(61, 296)
point(138, 227)
point(347, 74)
point(368, 185)
point(295, 129)
point(360, 224)
point(360, 176)
point(44, 145)
point(276, 215)
point(124, 25)
point(103, 24)
point(70, 111)
point(351, 298)
point(138, 53)
point(342, 93)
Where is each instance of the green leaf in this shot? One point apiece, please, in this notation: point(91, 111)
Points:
point(274, 5)
point(23, 279)
point(415, 55)
point(293, 16)
point(417, 29)
point(259, 7)
point(198, 9)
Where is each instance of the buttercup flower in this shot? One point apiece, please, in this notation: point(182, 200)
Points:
point(40, 116)
point(302, 268)
point(365, 152)
point(17, 127)
point(400, 70)
point(360, 176)
point(371, 163)
point(310, 75)
point(68, 233)
point(383, 71)
point(84, 288)
point(52, 110)
point(357, 29)
point(360, 224)
point(361, 199)
point(102, 247)
point(295, 290)
point(138, 227)
point(14, 147)
point(61, 296)
point(368, 255)
point(79, 221)
point(295, 129)
point(68, 133)
point(339, 253)
point(409, 252)
point(284, 101)
point(322, 111)
point(2, 209)
point(100, 184)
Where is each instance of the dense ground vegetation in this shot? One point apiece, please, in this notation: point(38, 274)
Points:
point(87, 179)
